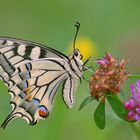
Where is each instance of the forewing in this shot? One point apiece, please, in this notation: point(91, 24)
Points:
point(33, 87)
point(16, 52)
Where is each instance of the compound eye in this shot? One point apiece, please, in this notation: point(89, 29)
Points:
point(76, 53)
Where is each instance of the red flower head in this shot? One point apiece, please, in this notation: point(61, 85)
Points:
point(108, 77)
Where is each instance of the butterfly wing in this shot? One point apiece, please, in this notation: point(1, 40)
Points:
point(32, 96)
point(69, 89)
point(33, 87)
point(16, 52)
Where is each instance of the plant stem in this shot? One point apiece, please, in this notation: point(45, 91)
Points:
point(136, 129)
point(133, 76)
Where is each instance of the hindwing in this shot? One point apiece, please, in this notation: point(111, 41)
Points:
point(33, 87)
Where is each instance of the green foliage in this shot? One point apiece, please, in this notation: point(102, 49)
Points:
point(85, 102)
point(99, 115)
point(117, 106)
point(108, 24)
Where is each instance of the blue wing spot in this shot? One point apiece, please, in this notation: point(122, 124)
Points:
point(28, 66)
point(35, 101)
point(43, 108)
point(25, 85)
point(28, 75)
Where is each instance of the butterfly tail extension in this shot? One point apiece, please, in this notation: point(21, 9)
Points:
point(30, 111)
point(17, 112)
point(8, 119)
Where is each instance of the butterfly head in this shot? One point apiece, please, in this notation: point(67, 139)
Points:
point(75, 60)
point(77, 54)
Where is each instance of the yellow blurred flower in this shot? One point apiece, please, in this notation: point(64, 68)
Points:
point(86, 47)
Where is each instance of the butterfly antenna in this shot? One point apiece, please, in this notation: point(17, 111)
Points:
point(77, 25)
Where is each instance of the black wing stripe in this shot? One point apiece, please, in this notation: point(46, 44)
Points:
point(74, 71)
point(28, 50)
point(43, 48)
point(8, 68)
point(15, 49)
point(42, 54)
point(69, 88)
point(51, 83)
point(3, 42)
point(70, 91)
point(53, 91)
point(4, 74)
point(77, 64)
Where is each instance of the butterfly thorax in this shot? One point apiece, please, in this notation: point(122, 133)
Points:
point(76, 63)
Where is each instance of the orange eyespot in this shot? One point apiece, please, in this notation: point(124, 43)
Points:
point(43, 112)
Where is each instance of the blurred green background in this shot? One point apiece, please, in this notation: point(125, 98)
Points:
point(112, 25)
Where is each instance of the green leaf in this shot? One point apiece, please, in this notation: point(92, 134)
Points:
point(99, 115)
point(85, 102)
point(117, 106)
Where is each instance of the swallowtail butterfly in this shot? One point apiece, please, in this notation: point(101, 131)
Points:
point(33, 73)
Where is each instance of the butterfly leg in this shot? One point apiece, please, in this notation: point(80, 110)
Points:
point(88, 60)
point(90, 68)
